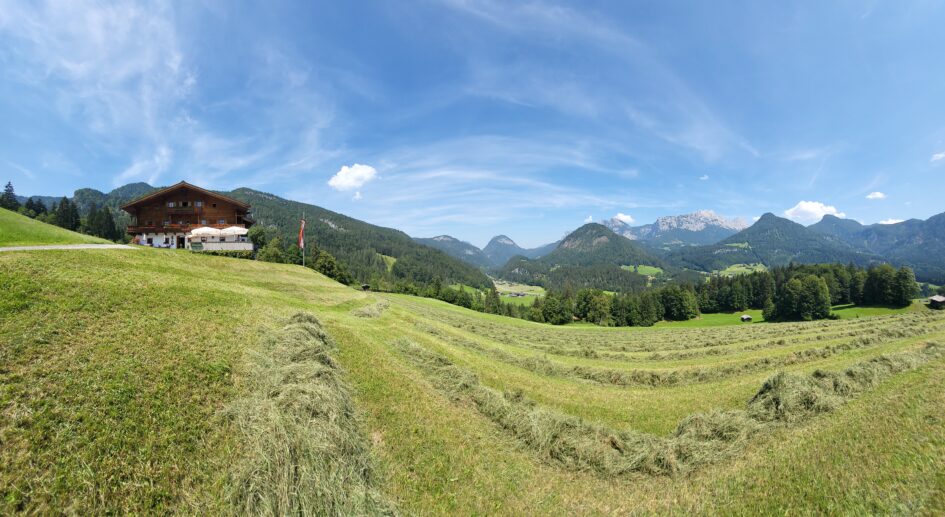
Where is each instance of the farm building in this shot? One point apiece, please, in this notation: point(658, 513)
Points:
point(187, 216)
point(746, 318)
point(937, 302)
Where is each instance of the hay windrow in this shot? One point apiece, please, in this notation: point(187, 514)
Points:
point(669, 377)
point(698, 440)
point(375, 310)
point(302, 450)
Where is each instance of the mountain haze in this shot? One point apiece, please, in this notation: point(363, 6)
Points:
point(456, 248)
point(501, 248)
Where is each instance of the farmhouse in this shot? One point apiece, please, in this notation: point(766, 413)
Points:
point(187, 216)
point(746, 318)
point(937, 302)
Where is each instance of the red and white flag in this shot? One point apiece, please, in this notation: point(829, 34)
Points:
point(302, 235)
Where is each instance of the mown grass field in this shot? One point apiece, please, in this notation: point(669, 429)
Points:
point(19, 230)
point(119, 371)
point(742, 269)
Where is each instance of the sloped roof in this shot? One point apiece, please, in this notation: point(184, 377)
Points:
point(938, 298)
point(178, 186)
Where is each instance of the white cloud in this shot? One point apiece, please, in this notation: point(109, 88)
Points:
point(625, 218)
point(937, 157)
point(811, 211)
point(589, 219)
point(357, 196)
point(353, 177)
point(755, 218)
point(704, 177)
point(890, 221)
point(876, 195)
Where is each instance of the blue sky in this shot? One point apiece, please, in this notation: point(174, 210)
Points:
point(481, 117)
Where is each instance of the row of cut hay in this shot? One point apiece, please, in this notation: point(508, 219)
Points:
point(658, 340)
point(375, 310)
point(698, 440)
point(302, 452)
point(669, 377)
point(587, 352)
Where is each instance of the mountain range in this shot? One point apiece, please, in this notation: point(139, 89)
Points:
point(772, 241)
point(592, 254)
point(670, 232)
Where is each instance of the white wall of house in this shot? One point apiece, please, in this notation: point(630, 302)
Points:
point(159, 240)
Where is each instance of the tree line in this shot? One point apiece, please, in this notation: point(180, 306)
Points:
point(790, 293)
point(99, 222)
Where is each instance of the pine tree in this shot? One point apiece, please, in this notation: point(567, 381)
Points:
point(8, 198)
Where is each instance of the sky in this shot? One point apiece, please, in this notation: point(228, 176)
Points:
point(478, 117)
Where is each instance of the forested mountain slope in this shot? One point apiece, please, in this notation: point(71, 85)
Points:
point(772, 241)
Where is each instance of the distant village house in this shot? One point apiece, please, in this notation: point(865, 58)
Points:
point(746, 318)
point(188, 217)
point(937, 302)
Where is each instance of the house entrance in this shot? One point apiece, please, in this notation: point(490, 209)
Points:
point(180, 241)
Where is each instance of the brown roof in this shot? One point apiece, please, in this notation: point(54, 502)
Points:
point(180, 185)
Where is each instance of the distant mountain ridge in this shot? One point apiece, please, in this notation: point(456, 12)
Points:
point(591, 256)
point(915, 243)
point(669, 232)
point(772, 241)
point(456, 248)
point(501, 248)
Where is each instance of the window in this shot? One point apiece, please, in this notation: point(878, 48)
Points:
point(203, 221)
point(222, 238)
point(203, 239)
point(214, 205)
point(167, 240)
point(170, 204)
point(150, 223)
point(221, 221)
point(167, 223)
point(198, 204)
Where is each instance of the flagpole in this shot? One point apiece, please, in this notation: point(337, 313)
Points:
point(303, 238)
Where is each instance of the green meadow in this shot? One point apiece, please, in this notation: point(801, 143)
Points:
point(153, 381)
point(18, 230)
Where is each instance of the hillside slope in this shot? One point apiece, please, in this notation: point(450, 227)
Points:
point(105, 411)
point(19, 230)
point(772, 241)
point(359, 245)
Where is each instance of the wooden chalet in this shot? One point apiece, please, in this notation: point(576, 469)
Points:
point(187, 216)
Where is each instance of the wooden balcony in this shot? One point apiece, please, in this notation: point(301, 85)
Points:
point(176, 228)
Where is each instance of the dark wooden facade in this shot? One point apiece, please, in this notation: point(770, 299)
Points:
point(183, 207)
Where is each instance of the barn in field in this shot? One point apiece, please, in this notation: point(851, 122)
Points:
point(746, 318)
point(937, 302)
point(187, 216)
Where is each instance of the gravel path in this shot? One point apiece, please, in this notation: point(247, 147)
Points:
point(69, 247)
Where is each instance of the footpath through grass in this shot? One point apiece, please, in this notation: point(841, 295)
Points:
point(19, 230)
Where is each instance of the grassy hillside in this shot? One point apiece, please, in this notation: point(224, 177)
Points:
point(18, 230)
point(128, 384)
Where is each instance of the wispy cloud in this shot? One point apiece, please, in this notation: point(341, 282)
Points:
point(704, 177)
point(890, 221)
point(652, 96)
point(938, 157)
point(876, 195)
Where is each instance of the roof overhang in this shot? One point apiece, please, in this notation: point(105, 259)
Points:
point(178, 186)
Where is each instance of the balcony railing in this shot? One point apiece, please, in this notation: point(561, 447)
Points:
point(176, 228)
